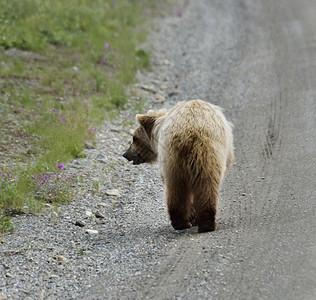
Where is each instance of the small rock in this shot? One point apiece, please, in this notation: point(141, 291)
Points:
point(99, 215)
point(243, 194)
point(92, 231)
point(167, 63)
point(77, 162)
point(62, 259)
point(75, 68)
point(173, 93)
point(79, 223)
point(115, 129)
point(113, 192)
point(89, 146)
point(148, 88)
point(9, 275)
point(117, 206)
point(163, 87)
point(89, 213)
point(101, 161)
point(160, 98)
point(102, 204)
point(3, 297)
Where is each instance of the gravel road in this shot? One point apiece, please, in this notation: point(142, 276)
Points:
point(256, 59)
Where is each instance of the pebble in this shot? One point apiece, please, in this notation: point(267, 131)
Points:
point(79, 223)
point(89, 213)
point(174, 93)
point(160, 98)
point(147, 88)
point(113, 192)
point(101, 161)
point(99, 215)
point(89, 146)
point(62, 259)
point(92, 231)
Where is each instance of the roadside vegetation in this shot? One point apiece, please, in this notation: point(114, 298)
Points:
point(64, 66)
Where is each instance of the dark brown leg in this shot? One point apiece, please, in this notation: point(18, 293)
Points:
point(178, 202)
point(205, 208)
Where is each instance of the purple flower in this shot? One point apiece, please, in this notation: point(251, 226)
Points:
point(42, 183)
point(39, 105)
point(92, 130)
point(75, 174)
point(103, 60)
point(62, 119)
point(35, 175)
point(20, 108)
point(178, 11)
point(106, 47)
point(46, 176)
point(60, 167)
point(69, 180)
point(113, 4)
point(147, 11)
point(56, 110)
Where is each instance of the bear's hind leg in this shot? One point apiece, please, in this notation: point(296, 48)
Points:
point(179, 204)
point(205, 203)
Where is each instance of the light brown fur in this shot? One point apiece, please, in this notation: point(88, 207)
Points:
point(193, 144)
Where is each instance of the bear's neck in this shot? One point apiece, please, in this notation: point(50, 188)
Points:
point(155, 133)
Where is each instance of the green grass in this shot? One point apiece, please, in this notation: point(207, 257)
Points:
point(64, 69)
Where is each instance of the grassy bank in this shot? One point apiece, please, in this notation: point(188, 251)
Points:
point(64, 69)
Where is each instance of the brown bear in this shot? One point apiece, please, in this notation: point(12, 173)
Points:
point(193, 143)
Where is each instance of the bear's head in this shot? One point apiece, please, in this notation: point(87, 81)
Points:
point(142, 149)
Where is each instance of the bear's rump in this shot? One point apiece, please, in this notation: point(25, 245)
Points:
point(194, 162)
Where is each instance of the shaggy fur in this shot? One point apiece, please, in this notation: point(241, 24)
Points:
point(193, 144)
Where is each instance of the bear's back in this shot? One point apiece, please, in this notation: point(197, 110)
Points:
point(194, 119)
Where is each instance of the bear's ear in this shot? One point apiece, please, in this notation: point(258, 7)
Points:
point(147, 122)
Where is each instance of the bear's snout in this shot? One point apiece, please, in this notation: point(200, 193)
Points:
point(128, 156)
point(132, 157)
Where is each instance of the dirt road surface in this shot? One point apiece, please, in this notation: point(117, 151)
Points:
point(257, 59)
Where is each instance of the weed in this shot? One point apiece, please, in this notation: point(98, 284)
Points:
point(5, 223)
point(53, 186)
point(10, 200)
point(95, 187)
point(81, 251)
